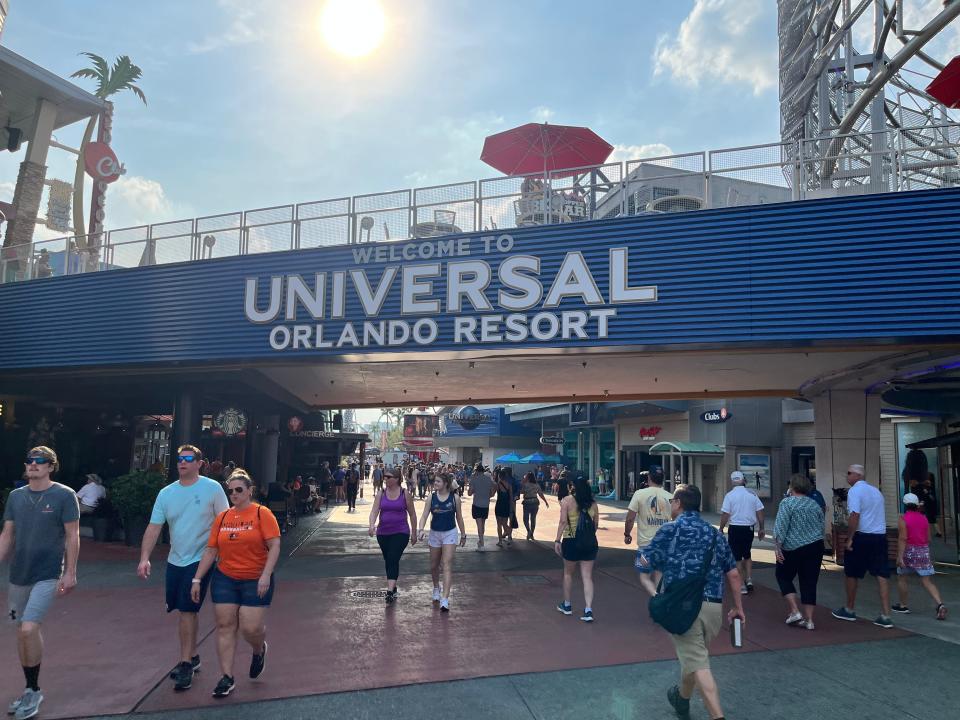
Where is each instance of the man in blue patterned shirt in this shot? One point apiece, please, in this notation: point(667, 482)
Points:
point(678, 550)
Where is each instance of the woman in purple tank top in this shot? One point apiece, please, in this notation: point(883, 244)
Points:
point(397, 522)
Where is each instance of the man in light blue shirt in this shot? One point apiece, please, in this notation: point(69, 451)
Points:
point(189, 506)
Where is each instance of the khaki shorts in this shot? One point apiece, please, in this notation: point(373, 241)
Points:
point(692, 645)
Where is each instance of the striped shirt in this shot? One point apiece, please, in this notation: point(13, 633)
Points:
point(799, 522)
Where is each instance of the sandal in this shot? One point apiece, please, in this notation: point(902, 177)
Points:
point(941, 612)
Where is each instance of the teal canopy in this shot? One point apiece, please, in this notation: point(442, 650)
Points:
point(536, 457)
point(508, 458)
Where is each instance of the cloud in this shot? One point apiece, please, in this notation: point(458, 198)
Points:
point(133, 200)
point(241, 29)
point(542, 114)
point(622, 153)
point(730, 41)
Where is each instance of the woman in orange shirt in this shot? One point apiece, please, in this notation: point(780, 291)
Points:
point(245, 541)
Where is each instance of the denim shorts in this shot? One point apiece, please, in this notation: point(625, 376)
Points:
point(224, 590)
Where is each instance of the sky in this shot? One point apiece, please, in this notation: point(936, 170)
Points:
point(249, 107)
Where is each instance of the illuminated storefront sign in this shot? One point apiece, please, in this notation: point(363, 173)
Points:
point(715, 416)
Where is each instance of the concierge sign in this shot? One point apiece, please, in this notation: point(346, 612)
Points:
point(464, 291)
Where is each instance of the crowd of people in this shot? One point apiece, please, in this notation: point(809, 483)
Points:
point(224, 542)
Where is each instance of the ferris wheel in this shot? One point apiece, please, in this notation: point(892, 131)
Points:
point(853, 109)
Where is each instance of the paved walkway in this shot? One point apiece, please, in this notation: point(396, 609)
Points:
point(502, 652)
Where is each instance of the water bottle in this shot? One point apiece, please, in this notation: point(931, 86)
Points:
point(736, 633)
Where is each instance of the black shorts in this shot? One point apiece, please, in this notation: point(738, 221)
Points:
point(740, 538)
point(502, 509)
point(869, 554)
point(480, 512)
point(179, 584)
point(225, 590)
point(568, 549)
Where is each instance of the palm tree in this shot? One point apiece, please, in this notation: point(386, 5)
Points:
point(110, 81)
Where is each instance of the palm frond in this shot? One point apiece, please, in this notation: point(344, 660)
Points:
point(136, 91)
point(86, 73)
point(122, 75)
point(100, 72)
point(99, 63)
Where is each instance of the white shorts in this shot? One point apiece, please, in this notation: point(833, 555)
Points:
point(30, 603)
point(439, 538)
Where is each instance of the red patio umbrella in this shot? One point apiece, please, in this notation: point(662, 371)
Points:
point(946, 86)
point(541, 148)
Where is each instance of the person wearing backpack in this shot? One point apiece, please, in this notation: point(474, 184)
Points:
point(690, 550)
point(577, 544)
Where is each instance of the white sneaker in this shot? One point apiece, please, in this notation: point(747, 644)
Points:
point(807, 624)
point(743, 590)
point(15, 704)
point(436, 595)
point(794, 619)
point(445, 605)
point(29, 705)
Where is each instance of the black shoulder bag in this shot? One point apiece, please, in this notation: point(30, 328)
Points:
point(675, 607)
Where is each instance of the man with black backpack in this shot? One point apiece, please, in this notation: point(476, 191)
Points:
point(695, 559)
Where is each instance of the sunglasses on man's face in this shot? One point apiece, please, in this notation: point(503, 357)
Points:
point(186, 458)
point(237, 490)
point(37, 461)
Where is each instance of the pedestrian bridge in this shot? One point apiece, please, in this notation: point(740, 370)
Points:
point(774, 299)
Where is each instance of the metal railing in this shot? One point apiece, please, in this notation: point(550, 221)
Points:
point(889, 161)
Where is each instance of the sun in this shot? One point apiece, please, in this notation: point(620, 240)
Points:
point(353, 28)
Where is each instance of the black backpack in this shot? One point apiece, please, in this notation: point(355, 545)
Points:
point(675, 608)
point(585, 536)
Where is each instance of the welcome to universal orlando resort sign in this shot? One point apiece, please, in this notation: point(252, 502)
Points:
point(468, 290)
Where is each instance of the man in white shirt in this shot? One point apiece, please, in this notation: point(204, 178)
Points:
point(866, 549)
point(650, 508)
point(91, 494)
point(742, 509)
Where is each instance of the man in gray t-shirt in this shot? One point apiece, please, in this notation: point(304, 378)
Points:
point(481, 489)
point(41, 528)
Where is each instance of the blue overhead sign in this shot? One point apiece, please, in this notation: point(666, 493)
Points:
point(793, 274)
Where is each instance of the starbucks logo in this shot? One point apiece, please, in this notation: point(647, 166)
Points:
point(230, 421)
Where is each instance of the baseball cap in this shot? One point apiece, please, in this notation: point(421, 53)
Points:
point(736, 476)
point(911, 499)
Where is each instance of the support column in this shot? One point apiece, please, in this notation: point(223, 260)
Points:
point(847, 431)
point(33, 171)
point(269, 447)
point(186, 424)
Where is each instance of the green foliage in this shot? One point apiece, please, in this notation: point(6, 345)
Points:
point(110, 81)
point(133, 494)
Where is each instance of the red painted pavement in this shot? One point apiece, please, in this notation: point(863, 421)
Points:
point(107, 649)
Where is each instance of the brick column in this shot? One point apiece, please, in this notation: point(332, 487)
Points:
point(26, 199)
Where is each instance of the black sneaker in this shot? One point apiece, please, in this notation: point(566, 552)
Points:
point(258, 662)
point(391, 596)
point(195, 662)
point(224, 687)
point(184, 677)
point(681, 706)
point(898, 608)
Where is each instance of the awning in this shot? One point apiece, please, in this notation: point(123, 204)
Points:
point(935, 442)
point(24, 83)
point(685, 448)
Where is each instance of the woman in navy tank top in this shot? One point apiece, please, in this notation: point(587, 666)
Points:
point(444, 507)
